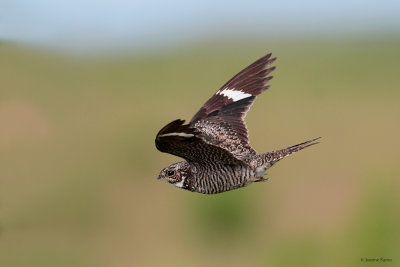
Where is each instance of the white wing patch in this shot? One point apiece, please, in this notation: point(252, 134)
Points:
point(177, 134)
point(234, 95)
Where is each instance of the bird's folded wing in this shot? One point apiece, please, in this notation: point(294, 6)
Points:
point(184, 141)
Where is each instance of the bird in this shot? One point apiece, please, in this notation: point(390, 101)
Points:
point(215, 144)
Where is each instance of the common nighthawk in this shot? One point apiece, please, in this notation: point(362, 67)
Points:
point(215, 143)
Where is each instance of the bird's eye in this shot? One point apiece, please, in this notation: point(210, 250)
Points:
point(170, 173)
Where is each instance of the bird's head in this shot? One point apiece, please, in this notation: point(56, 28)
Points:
point(176, 174)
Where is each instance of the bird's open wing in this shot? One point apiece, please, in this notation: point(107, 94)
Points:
point(184, 141)
point(229, 105)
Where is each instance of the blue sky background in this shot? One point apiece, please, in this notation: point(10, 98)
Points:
point(108, 23)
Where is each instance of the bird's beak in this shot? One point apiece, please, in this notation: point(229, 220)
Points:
point(159, 177)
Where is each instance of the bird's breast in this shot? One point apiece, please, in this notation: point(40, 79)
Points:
point(214, 178)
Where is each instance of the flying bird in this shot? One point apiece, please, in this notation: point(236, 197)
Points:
point(215, 142)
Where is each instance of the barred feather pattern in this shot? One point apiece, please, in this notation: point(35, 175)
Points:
point(217, 178)
point(213, 178)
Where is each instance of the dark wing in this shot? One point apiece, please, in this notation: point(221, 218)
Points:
point(228, 107)
point(184, 141)
point(225, 128)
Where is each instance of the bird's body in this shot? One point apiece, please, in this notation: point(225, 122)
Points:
point(215, 143)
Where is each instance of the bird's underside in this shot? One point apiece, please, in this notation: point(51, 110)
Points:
point(215, 142)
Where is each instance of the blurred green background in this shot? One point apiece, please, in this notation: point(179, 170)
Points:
point(85, 85)
point(78, 163)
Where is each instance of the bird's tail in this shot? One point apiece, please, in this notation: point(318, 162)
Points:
point(267, 160)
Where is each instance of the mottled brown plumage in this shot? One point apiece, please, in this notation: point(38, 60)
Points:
point(215, 143)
